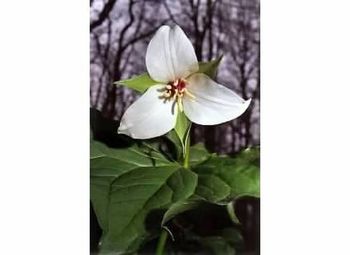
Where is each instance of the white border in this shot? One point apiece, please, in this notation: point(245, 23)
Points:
point(44, 101)
point(44, 131)
point(305, 127)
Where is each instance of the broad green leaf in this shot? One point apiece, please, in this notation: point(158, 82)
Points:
point(175, 140)
point(240, 173)
point(139, 83)
point(212, 188)
point(210, 68)
point(198, 154)
point(221, 180)
point(128, 184)
point(180, 207)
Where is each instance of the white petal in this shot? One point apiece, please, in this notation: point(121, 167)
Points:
point(158, 56)
point(182, 53)
point(149, 116)
point(170, 55)
point(213, 103)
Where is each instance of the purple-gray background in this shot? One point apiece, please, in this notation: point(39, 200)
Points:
point(121, 29)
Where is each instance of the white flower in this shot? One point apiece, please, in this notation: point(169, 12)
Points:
point(172, 62)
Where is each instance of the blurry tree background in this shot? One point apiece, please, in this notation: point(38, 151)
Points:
point(121, 29)
point(119, 34)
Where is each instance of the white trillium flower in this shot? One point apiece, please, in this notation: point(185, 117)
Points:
point(172, 62)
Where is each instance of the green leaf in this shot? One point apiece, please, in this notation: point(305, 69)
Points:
point(126, 186)
point(210, 68)
point(240, 173)
point(180, 207)
point(139, 83)
point(198, 154)
point(221, 180)
point(212, 188)
point(175, 140)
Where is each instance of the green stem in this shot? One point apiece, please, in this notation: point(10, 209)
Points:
point(164, 234)
point(187, 153)
point(161, 242)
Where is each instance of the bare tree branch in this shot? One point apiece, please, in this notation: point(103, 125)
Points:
point(171, 16)
point(103, 14)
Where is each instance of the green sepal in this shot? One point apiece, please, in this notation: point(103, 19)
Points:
point(143, 81)
point(182, 129)
point(210, 68)
point(139, 83)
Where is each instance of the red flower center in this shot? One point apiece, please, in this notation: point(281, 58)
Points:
point(176, 88)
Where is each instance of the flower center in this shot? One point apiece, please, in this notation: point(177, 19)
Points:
point(175, 90)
